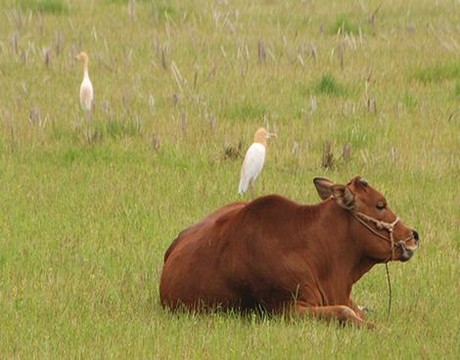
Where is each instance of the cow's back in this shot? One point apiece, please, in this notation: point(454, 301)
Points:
point(232, 256)
point(208, 222)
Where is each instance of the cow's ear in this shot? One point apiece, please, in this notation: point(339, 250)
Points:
point(323, 187)
point(344, 197)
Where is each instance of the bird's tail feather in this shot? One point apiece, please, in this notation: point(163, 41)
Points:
point(243, 187)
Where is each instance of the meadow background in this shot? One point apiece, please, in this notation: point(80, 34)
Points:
point(88, 207)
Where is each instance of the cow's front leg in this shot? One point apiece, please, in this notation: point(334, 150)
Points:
point(342, 313)
point(359, 310)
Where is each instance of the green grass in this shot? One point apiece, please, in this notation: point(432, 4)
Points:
point(54, 7)
point(343, 25)
point(441, 72)
point(408, 101)
point(328, 85)
point(88, 207)
point(245, 111)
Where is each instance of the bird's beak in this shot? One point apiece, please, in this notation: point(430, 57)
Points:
point(273, 134)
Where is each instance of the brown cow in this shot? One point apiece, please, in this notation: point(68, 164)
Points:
point(276, 254)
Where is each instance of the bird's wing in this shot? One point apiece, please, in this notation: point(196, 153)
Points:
point(252, 165)
point(86, 93)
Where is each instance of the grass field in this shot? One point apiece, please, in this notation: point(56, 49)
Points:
point(88, 207)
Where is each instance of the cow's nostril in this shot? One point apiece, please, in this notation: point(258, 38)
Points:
point(415, 235)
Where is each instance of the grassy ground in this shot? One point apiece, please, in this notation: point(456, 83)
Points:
point(89, 207)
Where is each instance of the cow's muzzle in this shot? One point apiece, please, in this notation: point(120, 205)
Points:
point(408, 246)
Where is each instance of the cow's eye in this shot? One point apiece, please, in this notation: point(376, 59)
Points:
point(381, 205)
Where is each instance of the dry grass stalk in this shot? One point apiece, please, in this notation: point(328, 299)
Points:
point(105, 106)
point(35, 117)
point(351, 41)
point(164, 62)
point(183, 122)
point(24, 56)
point(40, 24)
point(328, 157)
point(138, 124)
point(125, 98)
point(216, 16)
point(177, 76)
point(92, 136)
point(94, 33)
point(261, 52)
point(155, 142)
point(243, 55)
point(129, 56)
point(58, 44)
point(47, 56)
point(313, 104)
point(131, 9)
point(229, 24)
point(9, 125)
point(151, 104)
point(373, 16)
point(212, 72)
point(195, 79)
point(14, 43)
point(341, 53)
point(393, 154)
point(371, 102)
point(346, 153)
point(372, 105)
point(212, 120)
point(175, 99)
point(313, 51)
point(295, 148)
point(16, 17)
point(240, 49)
point(300, 59)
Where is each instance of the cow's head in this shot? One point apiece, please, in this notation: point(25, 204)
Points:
point(389, 238)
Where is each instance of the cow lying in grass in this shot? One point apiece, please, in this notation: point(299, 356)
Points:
point(276, 254)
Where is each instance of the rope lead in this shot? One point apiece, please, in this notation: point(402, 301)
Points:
point(389, 291)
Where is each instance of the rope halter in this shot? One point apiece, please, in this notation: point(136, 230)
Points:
point(380, 225)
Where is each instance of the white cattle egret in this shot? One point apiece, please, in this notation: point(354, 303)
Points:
point(86, 88)
point(254, 161)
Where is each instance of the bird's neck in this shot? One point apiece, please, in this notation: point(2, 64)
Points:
point(262, 141)
point(85, 68)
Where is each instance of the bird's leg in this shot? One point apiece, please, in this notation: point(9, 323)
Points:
point(251, 189)
point(89, 115)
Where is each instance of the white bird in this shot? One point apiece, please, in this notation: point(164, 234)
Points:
point(254, 161)
point(86, 87)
